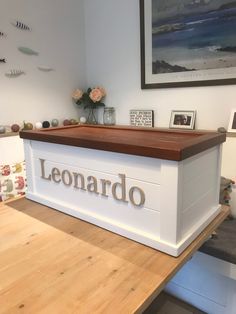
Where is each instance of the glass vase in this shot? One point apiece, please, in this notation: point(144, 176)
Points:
point(92, 116)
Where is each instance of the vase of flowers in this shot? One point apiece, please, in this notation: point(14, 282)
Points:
point(91, 100)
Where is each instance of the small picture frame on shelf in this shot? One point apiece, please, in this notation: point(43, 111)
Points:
point(182, 119)
point(232, 121)
point(142, 118)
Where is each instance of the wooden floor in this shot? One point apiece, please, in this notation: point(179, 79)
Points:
point(53, 263)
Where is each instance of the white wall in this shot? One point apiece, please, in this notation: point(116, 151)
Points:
point(58, 35)
point(113, 60)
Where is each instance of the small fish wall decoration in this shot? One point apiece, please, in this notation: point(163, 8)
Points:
point(45, 68)
point(2, 34)
point(3, 60)
point(21, 25)
point(27, 51)
point(14, 73)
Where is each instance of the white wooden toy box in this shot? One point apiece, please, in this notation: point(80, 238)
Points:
point(157, 187)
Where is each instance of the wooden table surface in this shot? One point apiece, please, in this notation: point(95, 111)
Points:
point(54, 263)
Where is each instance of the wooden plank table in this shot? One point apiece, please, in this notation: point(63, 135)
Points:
point(54, 263)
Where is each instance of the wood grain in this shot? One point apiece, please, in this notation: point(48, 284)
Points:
point(54, 263)
point(158, 143)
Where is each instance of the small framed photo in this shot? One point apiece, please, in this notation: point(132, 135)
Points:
point(182, 119)
point(144, 118)
point(232, 121)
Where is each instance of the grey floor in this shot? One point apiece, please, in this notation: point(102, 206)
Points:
point(166, 304)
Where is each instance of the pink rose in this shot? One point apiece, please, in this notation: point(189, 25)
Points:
point(96, 94)
point(102, 91)
point(77, 94)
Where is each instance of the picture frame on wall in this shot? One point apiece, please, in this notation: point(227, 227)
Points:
point(187, 43)
point(232, 121)
point(182, 119)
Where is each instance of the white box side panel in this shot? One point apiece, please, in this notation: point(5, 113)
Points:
point(171, 200)
point(30, 173)
point(200, 189)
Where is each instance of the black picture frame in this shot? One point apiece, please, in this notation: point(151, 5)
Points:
point(222, 76)
point(232, 122)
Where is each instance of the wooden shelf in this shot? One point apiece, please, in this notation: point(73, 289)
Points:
point(231, 134)
point(8, 134)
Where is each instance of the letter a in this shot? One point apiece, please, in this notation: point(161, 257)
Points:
point(93, 186)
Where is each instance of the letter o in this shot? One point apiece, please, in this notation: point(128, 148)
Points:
point(142, 196)
point(69, 177)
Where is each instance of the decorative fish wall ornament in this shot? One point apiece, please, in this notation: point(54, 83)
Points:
point(14, 73)
point(45, 68)
point(3, 60)
point(21, 25)
point(27, 51)
point(3, 35)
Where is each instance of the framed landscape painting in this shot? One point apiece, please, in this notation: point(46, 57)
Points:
point(187, 43)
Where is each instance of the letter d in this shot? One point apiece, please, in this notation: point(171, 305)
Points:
point(122, 185)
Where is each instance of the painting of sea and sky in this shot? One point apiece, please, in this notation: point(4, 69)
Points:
point(193, 35)
point(187, 42)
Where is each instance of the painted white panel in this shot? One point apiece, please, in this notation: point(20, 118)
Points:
point(170, 200)
point(199, 212)
point(136, 167)
point(200, 164)
point(151, 191)
point(199, 186)
point(118, 213)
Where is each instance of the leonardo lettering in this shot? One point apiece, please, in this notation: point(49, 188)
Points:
point(141, 196)
point(76, 179)
point(122, 186)
point(42, 161)
point(66, 177)
point(117, 190)
point(92, 185)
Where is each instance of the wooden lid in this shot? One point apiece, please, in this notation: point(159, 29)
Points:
point(150, 142)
